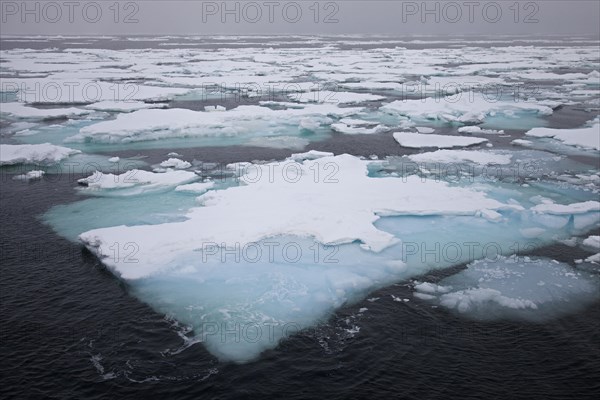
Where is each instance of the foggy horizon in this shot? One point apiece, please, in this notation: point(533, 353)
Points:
point(345, 17)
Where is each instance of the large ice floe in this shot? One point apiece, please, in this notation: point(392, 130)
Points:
point(466, 108)
point(284, 244)
point(45, 153)
point(587, 137)
point(160, 124)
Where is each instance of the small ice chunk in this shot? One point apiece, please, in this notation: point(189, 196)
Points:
point(594, 259)
point(424, 296)
point(214, 108)
point(309, 123)
point(424, 129)
point(310, 155)
point(114, 159)
point(358, 130)
point(197, 188)
point(30, 175)
point(478, 130)
point(175, 163)
point(592, 241)
point(490, 215)
point(136, 181)
point(522, 142)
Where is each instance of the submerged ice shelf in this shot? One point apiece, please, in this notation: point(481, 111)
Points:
point(513, 287)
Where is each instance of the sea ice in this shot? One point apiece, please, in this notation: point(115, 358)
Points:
point(592, 241)
point(21, 110)
point(454, 156)
point(30, 175)
point(513, 287)
point(44, 153)
point(196, 188)
point(583, 137)
point(123, 106)
point(134, 182)
point(464, 109)
point(163, 124)
point(175, 163)
point(272, 205)
point(418, 140)
point(478, 130)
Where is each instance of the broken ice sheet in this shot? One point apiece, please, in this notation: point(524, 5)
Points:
point(513, 287)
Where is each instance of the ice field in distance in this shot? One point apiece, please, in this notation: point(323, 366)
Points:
point(274, 246)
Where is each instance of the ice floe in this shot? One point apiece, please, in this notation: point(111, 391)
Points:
point(134, 182)
point(21, 110)
point(122, 106)
point(352, 219)
point(44, 153)
point(196, 188)
point(513, 287)
point(464, 109)
point(419, 140)
point(588, 137)
point(37, 174)
point(161, 124)
point(175, 163)
point(454, 156)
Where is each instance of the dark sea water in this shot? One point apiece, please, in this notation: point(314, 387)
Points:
point(70, 330)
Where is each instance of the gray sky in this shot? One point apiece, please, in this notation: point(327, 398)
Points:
point(197, 17)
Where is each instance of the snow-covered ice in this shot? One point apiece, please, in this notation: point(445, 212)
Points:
point(144, 125)
point(134, 182)
point(21, 110)
point(196, 188)
point(419, 140)
point(122, 106)
point(592, 241)
point(464, 109)
point(454, 156)
point(199, 250)
point(36, 174)
point(44, 153)
point(588, 137)
point(175, 163)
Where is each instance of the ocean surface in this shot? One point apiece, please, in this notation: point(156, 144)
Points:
point(70, 329)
